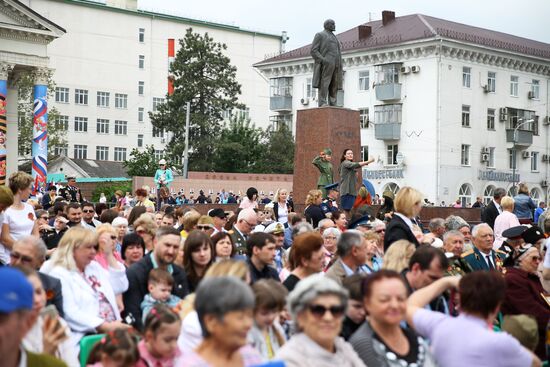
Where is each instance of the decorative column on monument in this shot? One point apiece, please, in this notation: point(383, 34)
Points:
point(4, 71)
point(40, 130)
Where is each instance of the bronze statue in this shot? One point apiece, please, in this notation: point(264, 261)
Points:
point(327, 72)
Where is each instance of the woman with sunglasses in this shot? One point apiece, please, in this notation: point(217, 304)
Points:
point(89, 300)
point(197, 257)
point(206, 224)
point(106, 255)
point(524, 290)
point(381, 341)
point(318, 305)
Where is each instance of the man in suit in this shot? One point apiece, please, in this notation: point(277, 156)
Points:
point(30, 252)
point(493, 209)
point(352, 253)
point(482, 256)
point(327, 71)
point(246, 221)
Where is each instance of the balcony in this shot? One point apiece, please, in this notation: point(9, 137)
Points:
point(388, 92)
point(280, 103)
point(387, 131)
point(524, 137)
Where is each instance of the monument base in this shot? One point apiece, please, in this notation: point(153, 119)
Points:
point(316, 129)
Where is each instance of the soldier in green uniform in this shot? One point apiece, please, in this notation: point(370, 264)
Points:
point(246, 221)
point(322, 162)
point(482, 256)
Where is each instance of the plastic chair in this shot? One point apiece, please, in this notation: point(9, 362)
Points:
point(86, 345)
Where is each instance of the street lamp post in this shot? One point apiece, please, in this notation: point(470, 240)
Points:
point(514, 154)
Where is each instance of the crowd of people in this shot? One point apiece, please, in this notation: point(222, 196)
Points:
point(338, 284)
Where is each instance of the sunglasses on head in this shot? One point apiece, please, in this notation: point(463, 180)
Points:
point(23, 258)
point(320, 310)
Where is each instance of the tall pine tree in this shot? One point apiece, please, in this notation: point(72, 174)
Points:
point(203, 76)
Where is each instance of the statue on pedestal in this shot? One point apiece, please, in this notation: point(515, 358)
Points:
point(327, 71)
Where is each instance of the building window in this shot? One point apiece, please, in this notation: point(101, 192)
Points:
point(62, 123)
point(465, 155)
point(243, 113)
point(364, 80)
point(491, 163)
point(364, 153)
point(81, 124)
point(392, 150)
point(121, 127)
point(488, 194)
point(141, 35)
point(387, 113)
point(514, 85)
point(535, 88)
point(310, 91)
point(364, 118)
point(491, 81)
point(62, 95)
point(393, 187)
point(141, 88)
point(278, 121)
point(141, 62)
point(280, 87)
point(120, 154)
point(121, 100)
point(490, 119)
point(102, 126)
point(81, 96)
point(512, 161)
point(535, 196)
point(80, 151)
point(159, 154)
point(141, 112)
point(102, 153)
point(158, 133)
point(61, 149)
point(534, 161)
point(103, 99)
point(465, 116)
point(465, 195)
point(388, 73)
point(466, 76)
point(140, 141)
point(156, 102)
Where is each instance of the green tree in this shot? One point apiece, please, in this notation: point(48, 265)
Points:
point(238, 147)
point(277, 155)
point(56, 132)
point(141, 163)
point(203, 76)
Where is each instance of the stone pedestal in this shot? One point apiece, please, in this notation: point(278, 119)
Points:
point(319, 128)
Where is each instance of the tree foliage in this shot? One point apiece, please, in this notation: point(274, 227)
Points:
point(142, 163)
point(109, 188)
point(203, 76)
point(56, 133)
point(238, 147)
point(278, 153)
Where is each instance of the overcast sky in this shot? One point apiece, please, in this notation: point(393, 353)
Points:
point(302, 18)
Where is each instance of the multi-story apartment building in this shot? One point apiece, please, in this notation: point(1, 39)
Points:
point(451, 109)
point(111, 69)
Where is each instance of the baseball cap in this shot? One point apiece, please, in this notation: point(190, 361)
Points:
point(217, 212)
point(16, 291)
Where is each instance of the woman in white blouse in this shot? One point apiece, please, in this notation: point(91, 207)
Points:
point(19, 218)
point(89, 289)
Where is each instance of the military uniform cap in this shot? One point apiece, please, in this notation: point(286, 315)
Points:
point(514, 232)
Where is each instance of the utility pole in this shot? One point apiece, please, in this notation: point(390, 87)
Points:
point(186, 151)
